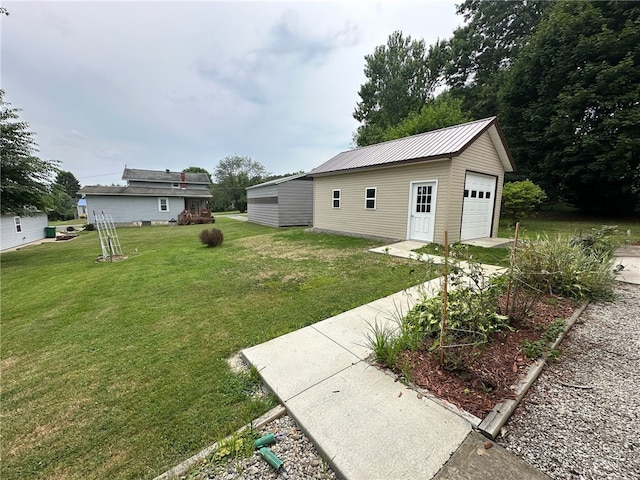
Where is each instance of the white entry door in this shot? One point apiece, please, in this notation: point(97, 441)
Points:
point(477, 206)
point(423, 211)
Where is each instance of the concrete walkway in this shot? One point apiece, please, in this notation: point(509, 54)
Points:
point(629, 258)
point(366, 424)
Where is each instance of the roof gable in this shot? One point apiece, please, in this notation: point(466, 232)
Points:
point(445, 142)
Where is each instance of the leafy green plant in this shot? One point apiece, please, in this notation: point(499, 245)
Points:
point(212, 237)
point(542, 347)
point(599, 242)
point(521, 199)
point(238, 445)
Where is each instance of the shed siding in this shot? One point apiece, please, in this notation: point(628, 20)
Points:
point(125, 209)
point(390, 217)
point(480, 157)
point(295, 203)
point(32, 230)
point(263, 213)
point(291, 204)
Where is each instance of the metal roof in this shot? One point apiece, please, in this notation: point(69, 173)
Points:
point(278, 181)
point(445, 142)
point(136, 174)
point(144, 191)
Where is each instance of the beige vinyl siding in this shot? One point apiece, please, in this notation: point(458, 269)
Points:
point(481, 157)
point(393, 184)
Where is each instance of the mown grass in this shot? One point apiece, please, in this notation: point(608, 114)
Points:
point(548, 223)
point(571, 223)
point(118, 370)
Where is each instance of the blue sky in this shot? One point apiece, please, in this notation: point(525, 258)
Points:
point(158, 85)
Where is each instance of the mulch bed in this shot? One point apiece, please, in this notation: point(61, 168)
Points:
point(488, 379)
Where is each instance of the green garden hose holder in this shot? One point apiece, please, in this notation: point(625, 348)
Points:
point(271, 458)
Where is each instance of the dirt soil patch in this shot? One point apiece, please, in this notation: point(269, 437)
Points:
point(488, 378)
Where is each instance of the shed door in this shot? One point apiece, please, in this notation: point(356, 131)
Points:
point(423, 214)
point(477, 206)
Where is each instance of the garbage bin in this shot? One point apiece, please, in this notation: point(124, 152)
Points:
point(50, 232)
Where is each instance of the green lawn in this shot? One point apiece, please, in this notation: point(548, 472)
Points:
point(118, 370)
point(570, 223)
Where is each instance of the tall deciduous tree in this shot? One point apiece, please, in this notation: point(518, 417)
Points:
point(442, 112)
point(571, 107)
point(481, 50)
point(399, 81)
point(197, 170)
point(233, 175)
point(25, 179)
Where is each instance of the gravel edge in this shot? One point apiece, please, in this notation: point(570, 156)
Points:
point(581, 419)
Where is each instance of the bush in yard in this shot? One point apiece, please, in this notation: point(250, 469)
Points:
point(212, 237)
point(521, 199)
point(564, 267)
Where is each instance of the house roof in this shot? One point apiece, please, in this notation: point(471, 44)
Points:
point(277, 181)
point(442, 143)
point(167, 176)
point(144, 191)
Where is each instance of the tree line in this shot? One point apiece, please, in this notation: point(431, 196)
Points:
point(563, 78)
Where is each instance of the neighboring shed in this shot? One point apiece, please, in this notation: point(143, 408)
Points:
point(19, 230)
point(284, 202)
point(417, 187)
point(81, 207)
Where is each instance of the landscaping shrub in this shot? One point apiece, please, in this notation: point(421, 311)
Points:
point(600, 241)
point(212, 237)
point(521, 199)
point(89, 227)
point(563, 267)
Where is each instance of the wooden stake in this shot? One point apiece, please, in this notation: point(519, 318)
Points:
point(444, 296)
point(511, 260)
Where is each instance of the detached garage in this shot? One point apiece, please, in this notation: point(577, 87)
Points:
point(284, 202)
point(417, 187)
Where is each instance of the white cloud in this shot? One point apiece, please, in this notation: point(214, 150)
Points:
point(176, 84)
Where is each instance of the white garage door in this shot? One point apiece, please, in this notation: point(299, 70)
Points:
point(477, 207)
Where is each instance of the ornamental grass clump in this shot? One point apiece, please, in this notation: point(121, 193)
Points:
point(564, 267)
point(212, 237)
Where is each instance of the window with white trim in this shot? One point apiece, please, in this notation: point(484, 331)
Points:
point(370, 198)
point(336, 198)
point(18, 223)
point(163, 204)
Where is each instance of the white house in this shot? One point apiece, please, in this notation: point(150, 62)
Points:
point(19, 230)
point(151, 197)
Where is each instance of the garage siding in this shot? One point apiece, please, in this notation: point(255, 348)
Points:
point(389, 219)
point(480, 157)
